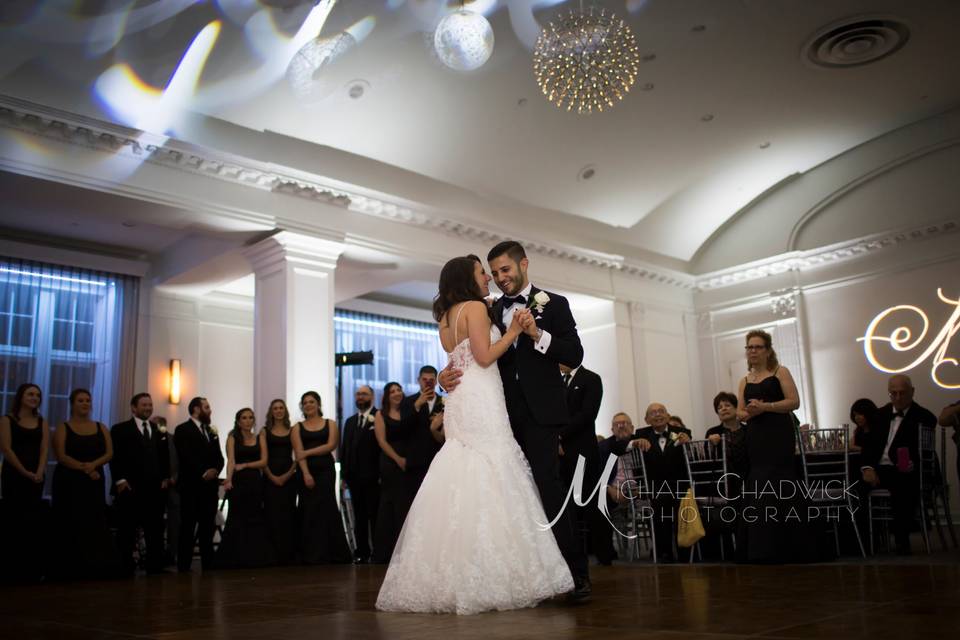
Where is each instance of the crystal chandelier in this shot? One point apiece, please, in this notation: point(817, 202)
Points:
point(463, 40)
point(305, 70)
point(587, 61)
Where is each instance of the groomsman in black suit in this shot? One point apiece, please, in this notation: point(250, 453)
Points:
point(425, 438)
point(579, 438)
point(891, 458)
point(360, 467)
point(140, 469)
point(200, 462)
point(662, 448)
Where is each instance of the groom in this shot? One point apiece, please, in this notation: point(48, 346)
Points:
point(534, 389)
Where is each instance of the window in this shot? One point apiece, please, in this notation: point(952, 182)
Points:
point(400, 348)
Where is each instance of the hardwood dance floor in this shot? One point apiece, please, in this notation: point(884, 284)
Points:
point(879, 599)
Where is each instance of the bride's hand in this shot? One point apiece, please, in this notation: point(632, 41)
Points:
point(516, 325)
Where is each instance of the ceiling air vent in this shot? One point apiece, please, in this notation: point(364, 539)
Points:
point(856, 43)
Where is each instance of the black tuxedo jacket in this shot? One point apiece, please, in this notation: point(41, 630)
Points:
point(421, 447)
point(359, 452)
point(579, 435)
point(908, 435)
point(605, 448)
point(195, 455)
point(143, 466)
point(667, 465)
point(533, 378)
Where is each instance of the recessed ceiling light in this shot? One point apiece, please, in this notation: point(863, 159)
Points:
point(647, 87)
point(707, 117)
point(764, 145)
point(357, 88)
point(128, 224)
point(698, 28)
point(522, 102)
point(649, 57)
point(586, 173)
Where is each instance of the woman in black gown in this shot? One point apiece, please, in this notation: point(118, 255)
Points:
point(280, 483)
point(82, 542)
point(244, 543)
point(24, 440)
point(774, 526)
point(322, 539)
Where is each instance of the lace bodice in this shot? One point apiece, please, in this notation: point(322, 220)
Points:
point(462, 357)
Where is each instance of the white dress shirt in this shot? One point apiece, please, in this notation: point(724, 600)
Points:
point(543, 343)
point(894, 426)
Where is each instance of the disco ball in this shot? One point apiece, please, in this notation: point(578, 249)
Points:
point(305, 72)
point(463, 40)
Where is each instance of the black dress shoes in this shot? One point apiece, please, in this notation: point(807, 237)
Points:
point(581, 588)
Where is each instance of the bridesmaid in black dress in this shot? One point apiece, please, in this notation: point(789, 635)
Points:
point(280, 483)
point(244, 543)
point(83, 545)
point(773, 527)
point(322, 540)
point(24, 440)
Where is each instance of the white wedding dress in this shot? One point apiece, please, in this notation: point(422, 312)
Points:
point(471, 541)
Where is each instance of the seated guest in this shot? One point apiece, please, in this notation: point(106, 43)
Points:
point(676, 422)
point(280, 483)
point(140, 470)
point(891, 458)
point(322, 539)
point(360, 469)
point(199, 464)
point(24, 441)
point(395, 432)
point(84, 547)
point(244, 543)
point(950, 417)
point(725, 406)
point(616, 445)
point(663, 456)
point(863, 413)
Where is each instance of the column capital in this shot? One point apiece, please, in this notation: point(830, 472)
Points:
point(312, 252)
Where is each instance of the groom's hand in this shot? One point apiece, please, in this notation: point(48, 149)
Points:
point(449, 378)
point(528, 324)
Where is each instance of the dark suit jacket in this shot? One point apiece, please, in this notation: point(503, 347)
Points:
point(606, 447)
point(531, 377)
point(143, 467)
point(422, 446)
point(359, 452)
point(579, 435)
point(908, 435)
point(667, 465)
point(195, 455)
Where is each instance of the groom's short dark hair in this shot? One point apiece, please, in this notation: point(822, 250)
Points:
point(510, 247)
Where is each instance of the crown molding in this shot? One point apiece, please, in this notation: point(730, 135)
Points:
point(830, 254)
point(97, 135)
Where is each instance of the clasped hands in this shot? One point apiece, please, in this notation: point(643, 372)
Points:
point(755, 408)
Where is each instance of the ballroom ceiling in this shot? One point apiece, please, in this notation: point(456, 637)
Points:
point(727, 103)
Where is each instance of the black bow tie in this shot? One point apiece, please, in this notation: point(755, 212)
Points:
point(508, 301)
point(898, 414)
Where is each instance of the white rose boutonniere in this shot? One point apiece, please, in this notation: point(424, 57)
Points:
point(539, 301)
point(673, 436)
point(213, 430)
point(162, 429)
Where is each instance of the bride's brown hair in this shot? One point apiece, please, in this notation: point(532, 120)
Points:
point(457, 284)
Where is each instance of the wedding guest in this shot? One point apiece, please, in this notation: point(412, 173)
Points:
point(725, 406)
point(244, 543)
point(863, 414)
point(322, 540)
point(663, 456)
point(578, 438)
point(200, 462)
point(83, 545)
point(280, 483)
point(772, 529)
point(427, 436)
point(394, 430)
point(172, 523)
point(360, 469)
point(140, 470)
point(676, 422)
point(24, 441)
point(891, 458)
point(950, 417)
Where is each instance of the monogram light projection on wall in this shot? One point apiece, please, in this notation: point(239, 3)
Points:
point(901, 340)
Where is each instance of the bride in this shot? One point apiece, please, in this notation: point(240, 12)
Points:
point(471, 541)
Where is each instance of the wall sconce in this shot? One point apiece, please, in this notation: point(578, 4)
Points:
point(175, 381)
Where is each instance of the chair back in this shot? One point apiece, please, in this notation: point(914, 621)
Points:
point(635, 471)
point(706, 467)
point(930, 470)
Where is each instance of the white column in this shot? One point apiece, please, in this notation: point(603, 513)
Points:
point(293, 319)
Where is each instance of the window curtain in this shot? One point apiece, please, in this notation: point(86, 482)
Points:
point(64, 328)
point(400, 348)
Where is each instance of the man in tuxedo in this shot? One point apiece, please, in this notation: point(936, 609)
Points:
point(535, 396)
point(579, 438)
point(891, 458)
point(200, 462)
point(140, 469)
point(662, 448)
point(425, 438)
point(359, 466)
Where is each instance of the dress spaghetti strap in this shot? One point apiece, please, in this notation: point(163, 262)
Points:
point(456, 323)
